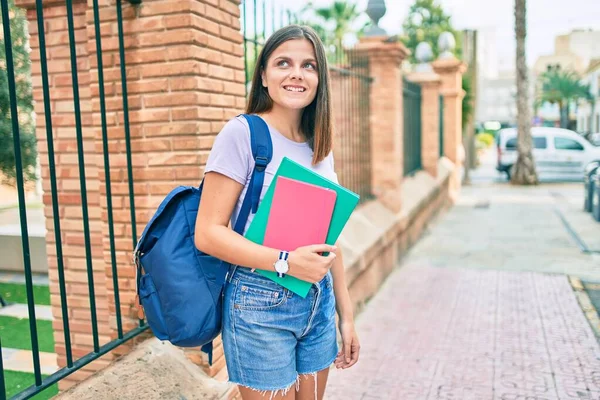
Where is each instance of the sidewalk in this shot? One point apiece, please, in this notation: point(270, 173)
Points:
point(482, 308)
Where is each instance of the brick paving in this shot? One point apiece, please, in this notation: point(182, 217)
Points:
point(468, 334)
point(482, 307)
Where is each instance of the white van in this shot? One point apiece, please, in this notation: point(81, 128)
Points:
point(559, 154)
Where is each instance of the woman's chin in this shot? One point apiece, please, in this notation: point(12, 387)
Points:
point(294, 104)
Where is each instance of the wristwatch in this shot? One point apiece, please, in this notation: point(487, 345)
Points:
point(281, 265)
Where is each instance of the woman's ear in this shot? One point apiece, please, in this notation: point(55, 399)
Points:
point(263, 77)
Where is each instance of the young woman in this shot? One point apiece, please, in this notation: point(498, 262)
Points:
point(275, 340)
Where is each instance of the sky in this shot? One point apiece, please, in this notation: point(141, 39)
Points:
point(495, 18)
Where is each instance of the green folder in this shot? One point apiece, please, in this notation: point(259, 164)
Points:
point(345, 204)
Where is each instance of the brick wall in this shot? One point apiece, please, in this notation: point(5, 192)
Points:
point(185, 80)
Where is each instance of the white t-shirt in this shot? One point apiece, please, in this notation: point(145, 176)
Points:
point(231, 155)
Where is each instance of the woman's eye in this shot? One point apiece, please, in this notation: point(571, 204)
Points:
point(310, 65)
point(282, 63)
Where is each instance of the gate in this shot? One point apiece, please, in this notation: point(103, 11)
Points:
point(441, 117)
point(412, 127)
point(49, 111)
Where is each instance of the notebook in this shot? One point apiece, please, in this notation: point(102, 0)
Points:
point(300, 214)
point(345, 204)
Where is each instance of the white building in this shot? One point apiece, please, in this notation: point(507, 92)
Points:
point(497, 99)
point(588, 116)
point(572, 52)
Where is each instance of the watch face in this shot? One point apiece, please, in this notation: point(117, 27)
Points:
point(281, 266)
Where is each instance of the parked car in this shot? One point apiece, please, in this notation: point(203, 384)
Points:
point(589, 185)
point(559, 154)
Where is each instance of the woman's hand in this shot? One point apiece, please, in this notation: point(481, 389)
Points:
point(348, 356)
point(308, 265)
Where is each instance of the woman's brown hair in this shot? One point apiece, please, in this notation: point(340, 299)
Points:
point(316, 117)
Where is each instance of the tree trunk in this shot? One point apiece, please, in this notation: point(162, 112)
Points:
point(560, 114)
point(523, 172)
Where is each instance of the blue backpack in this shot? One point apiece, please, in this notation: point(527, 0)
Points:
point(180, 287)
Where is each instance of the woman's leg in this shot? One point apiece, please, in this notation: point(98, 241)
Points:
point(251, 394)
point(312, 386)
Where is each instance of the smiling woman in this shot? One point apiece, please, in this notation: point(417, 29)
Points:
point(289, 341)
point(294, 84)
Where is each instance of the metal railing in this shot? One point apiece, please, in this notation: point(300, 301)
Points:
point(441, 117)
point(412, 127)
point(72, 365)
point(351, 81)
point(255, 35)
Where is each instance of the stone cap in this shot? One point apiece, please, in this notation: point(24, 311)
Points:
point(379, 48)
point(449, 65)
point(154, 370)
point(425, 78)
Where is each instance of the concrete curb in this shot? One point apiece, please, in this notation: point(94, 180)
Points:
point(586, 305)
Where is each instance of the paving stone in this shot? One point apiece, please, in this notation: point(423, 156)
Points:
point(21, 311)
point(482, 308)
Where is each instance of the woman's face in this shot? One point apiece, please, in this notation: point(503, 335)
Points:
point(290, 75)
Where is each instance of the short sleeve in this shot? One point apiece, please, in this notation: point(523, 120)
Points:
point(231, 153)
point(332, 163)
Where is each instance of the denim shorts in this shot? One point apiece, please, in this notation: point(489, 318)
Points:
point(271, 335)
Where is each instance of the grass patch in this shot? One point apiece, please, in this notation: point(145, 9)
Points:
point(17, 293)
point(15, 334)
point(16, 382)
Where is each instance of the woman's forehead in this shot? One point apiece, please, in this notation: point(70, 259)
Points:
point(295, 48)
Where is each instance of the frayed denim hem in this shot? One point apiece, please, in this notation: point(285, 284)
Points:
point(273, 391)
point(325, 366)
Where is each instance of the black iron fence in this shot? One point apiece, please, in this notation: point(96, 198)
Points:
point(259, 20)
point(350, 85)
point(441, 118)
point(412, 127)
point(72, 365)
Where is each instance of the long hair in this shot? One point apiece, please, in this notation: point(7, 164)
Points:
point(315, 123)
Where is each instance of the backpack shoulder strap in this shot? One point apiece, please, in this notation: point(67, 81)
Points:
point(262, 152)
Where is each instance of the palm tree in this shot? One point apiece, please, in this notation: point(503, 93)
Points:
point(523, 171)
point(334, 22)
point(562, 88)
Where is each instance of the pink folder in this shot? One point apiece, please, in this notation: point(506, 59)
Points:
point(300, 214)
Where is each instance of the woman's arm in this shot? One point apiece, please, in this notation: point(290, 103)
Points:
point(348, 354)
point(213, 235)
point(342, 297)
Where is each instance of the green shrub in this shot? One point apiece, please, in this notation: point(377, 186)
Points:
point(485, 139)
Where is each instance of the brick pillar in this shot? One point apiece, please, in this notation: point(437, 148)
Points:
point(451, 71)
point(430, 121)
point(386, 111)
point(185, 79)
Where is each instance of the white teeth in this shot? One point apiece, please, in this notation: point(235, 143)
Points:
point(293, 89)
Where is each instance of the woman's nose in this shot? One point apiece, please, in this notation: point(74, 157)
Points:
point(297, 73)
